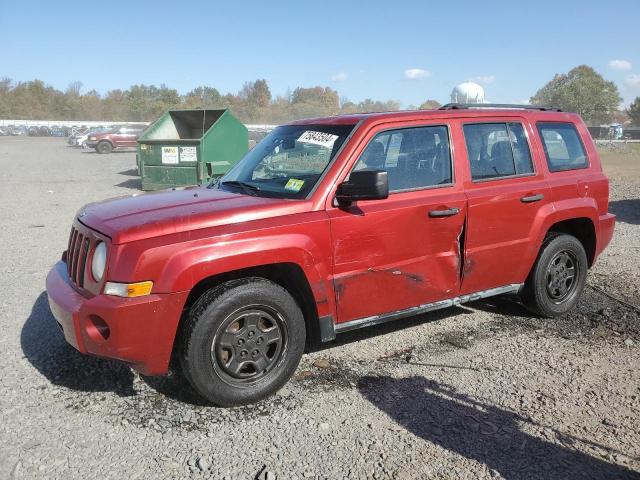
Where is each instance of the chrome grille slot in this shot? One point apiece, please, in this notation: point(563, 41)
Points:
point(82, 262)
point(76, 258)
point(78, 255)
point(71, 255)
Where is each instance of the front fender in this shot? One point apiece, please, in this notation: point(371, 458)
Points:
point(188, 267)
point(180, 264)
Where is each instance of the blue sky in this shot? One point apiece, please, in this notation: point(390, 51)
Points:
point(403, 50)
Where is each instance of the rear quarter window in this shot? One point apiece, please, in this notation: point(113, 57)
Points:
point(562, 146)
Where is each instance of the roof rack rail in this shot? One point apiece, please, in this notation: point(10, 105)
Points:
point(464, 106)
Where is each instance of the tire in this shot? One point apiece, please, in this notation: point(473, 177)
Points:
point(242, 341)
point(104, 147)
point(558, 276)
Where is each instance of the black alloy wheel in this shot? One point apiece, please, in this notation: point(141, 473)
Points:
point(248, 344)
point(561, 275)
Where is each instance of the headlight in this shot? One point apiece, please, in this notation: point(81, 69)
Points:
point(99, 261)
point(92, 138)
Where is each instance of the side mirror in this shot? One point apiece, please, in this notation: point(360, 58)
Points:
point(364, 185)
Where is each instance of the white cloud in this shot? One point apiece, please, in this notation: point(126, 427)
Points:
point(484, 79)
point(632, 81)
point(339, 77)
point(622, 65)
point(416, 73)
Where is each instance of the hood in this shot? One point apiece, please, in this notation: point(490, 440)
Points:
point(148, 215)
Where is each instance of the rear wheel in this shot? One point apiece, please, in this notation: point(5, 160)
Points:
point(243, 340)
point(104, 147)
point(558, 276)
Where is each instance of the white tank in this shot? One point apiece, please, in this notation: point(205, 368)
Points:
point(467, 92)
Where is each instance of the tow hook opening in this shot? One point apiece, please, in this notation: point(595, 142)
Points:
point(97, 329)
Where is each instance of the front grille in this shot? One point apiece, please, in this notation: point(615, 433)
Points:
point(77, 253)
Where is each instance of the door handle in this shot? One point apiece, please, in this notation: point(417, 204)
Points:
point(444, 213)
point(532, 198)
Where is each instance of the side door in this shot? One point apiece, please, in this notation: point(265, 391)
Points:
point(403, 251)
point(506, 191)
point(127, 137)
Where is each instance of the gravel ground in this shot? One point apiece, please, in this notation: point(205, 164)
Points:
point(480, 391)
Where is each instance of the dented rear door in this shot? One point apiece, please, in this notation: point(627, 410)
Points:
point(507, 203)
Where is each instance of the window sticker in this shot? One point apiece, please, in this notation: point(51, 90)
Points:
point(294, 185)
point(188, 154)
point(318, 138)
point(170, 155)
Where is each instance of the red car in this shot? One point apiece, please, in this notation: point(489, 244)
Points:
point(333, 224)
point(122, 136)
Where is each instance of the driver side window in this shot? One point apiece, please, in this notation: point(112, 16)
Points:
point(414, 158)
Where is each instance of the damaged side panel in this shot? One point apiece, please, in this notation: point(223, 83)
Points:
point(391, 255)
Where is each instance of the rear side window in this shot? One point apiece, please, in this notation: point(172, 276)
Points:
point(414, 158)
point(497, 150)
point(562, 146)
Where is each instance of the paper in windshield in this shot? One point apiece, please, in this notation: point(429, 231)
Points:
point(318, 138)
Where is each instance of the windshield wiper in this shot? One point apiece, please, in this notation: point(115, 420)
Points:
point(248, 188)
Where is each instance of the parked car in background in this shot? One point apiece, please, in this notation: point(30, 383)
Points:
point(18, 130)
point(59, 131)
point(79, 139)
point(330, 225)
point(122, 136)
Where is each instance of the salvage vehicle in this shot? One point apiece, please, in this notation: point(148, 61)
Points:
point(122, 136)
point(79, 137)
point(329, 225)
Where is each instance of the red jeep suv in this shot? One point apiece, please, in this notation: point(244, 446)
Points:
point(333, 224)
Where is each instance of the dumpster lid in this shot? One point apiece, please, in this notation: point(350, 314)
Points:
point(183, 125)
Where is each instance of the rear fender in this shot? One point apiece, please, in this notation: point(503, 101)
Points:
point(551, 214)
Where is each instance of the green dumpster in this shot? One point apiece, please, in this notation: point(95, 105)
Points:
point(189, 147)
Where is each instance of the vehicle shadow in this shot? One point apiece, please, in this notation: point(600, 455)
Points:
point(389, 327)
point(627, 211)
point(92, 151)
point(488, 434)
point(45, 348)
point(502, 305)
point(132, 183)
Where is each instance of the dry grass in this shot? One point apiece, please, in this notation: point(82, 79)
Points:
point(623, 162)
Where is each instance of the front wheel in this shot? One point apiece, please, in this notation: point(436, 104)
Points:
point(104, 147)
point(242, 341)
point(558, 276)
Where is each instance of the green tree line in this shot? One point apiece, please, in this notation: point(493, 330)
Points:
point(254, 103)
point(581, 90)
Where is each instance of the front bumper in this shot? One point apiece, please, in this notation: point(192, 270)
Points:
point(91, 143)
point(139, 331)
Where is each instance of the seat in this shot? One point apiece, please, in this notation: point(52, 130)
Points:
point(374, 156)
point(502, 158)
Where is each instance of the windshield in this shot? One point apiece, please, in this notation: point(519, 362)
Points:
point(288, 162)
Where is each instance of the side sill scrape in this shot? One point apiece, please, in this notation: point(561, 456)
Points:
point(427, 307)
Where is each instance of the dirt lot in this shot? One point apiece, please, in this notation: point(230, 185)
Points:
point(480, 391)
